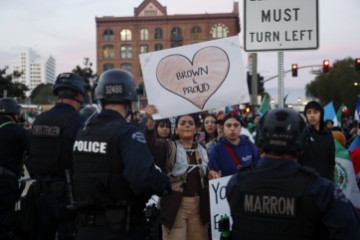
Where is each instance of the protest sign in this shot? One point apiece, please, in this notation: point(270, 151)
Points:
point(196, 77)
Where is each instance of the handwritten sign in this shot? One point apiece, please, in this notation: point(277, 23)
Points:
point(196, 77)
point(218, 203)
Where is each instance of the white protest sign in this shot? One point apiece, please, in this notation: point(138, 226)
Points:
point(195, 77)
point(218, 204)
point(281, 25)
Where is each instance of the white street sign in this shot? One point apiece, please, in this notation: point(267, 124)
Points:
point(277, 25)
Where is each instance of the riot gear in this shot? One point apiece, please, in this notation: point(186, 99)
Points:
point(281, 130)
point(116, 85)
point(9, 106)
point(68, 81)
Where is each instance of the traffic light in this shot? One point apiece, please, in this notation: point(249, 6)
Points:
point(326, 66)
point(261, 88)
point(294, 70)
point(357, 64)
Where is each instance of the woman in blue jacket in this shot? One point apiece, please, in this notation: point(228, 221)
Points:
point(233, 151)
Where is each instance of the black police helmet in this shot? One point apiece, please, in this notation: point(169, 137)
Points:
point(70, 81)
point(116, 85)
point(9, 106)
point(281, 131)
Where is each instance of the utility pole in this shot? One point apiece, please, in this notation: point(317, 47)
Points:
point(254, 80)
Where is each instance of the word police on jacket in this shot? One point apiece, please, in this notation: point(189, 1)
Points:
point(90, 147)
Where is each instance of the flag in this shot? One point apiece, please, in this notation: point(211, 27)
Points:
point(329, 113)
point(355, 158)
point(342, 110)
point(345, 176)
point(357, 110)
point(265, 106)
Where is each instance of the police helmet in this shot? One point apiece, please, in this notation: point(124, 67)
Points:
point(116, 85)
point(9, 106)
point(281, 131)
point(66, 81)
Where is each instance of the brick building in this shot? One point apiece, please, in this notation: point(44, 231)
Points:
point(120, 40)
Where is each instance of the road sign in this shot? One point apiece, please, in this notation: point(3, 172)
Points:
point(277, 25)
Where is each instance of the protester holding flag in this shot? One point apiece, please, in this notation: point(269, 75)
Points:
point(319, 148)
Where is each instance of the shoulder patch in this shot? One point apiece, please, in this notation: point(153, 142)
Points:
point(138, 136)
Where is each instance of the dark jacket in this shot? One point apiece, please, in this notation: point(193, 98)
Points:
point(332, 210)
point(319, 152)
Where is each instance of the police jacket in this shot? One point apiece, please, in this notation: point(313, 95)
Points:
point(279, 199)
point(14, 144)
point(112, 164)
point(52, 137)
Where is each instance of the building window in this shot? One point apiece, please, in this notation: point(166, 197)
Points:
point(158, 47)
point(126, 66)
point(108, 35)
point(144, 48)
point(126, 51)
point(126, 35)
point(144, 34)
point(158, 33)
point(176, 34)
point(108, 52)
point(108, 66)
point(219, 31)
point(196, 33)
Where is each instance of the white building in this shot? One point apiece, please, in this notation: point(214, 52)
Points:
point(35, 69)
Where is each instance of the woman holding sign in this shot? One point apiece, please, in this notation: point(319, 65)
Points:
point(185, 213)
point(232, 151)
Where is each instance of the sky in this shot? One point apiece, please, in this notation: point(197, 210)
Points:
point(66, 30)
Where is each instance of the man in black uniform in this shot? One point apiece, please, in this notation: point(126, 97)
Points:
point(14, 145)
point(279, 199)
point(114, 172)
point(52, 137)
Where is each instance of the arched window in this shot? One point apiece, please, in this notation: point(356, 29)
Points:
point(176, 34)
point(144, 48)
point(126, 51)
point(108, 66)
point(158, 47)
point(126, 66)
point(126, 35)
point(219, 31)
point(108, 52)
point(108, 35)
point(144, 34)
point(196, 33)
point(158, 33)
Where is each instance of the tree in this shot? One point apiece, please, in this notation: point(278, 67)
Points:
point(42, 94)
point(89, 77)
point(9, 88)
point(337, 85)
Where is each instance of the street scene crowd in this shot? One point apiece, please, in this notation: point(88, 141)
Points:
point(93, 170)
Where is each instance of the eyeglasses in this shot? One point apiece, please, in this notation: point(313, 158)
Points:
point(236, 125)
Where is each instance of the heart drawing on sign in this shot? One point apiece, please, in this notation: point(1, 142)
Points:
point(195, 80)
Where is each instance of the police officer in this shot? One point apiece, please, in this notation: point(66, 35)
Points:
point(14, 145)
point(114, 173)
point(278, 198)
point(52, 137)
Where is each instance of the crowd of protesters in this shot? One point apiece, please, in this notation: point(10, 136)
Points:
point(190, 150)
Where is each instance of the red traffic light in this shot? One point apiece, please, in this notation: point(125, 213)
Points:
point(294, 70)
point(357, 64)
point(326, 66)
